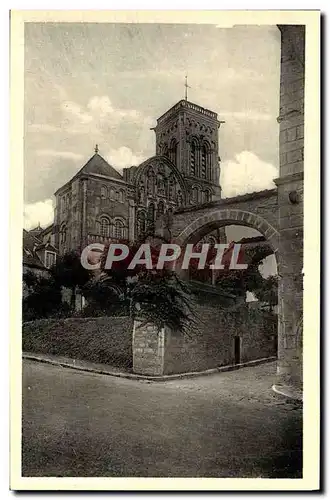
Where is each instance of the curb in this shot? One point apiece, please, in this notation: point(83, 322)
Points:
point(287, 393)
point(152, 378)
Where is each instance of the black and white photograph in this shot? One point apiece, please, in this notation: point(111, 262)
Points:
point(169, 193)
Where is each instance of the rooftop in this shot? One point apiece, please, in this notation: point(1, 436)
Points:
point(183, 104)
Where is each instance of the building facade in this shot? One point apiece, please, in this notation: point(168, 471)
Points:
point(99, 204)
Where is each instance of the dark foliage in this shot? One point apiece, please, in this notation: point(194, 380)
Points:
point(68, 272)
point(43, 298)
point(156, 295)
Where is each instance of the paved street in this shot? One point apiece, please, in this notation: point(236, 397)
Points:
point(222, 425)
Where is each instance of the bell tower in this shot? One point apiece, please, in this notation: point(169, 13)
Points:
point(188, 135)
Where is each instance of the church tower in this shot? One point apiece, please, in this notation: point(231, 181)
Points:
point(188, 135)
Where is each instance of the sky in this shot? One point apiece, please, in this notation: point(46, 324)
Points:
point(106, 83)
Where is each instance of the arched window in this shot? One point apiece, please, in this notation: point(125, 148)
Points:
point(207, 196)
point(194, 195)
point(160, 209)
point(151, 217)
point(205, 161)
point(121, 196)
point(151, 181)
point(173, 151)
point(171, 188)
point(193, 157)
point(119, 229)
point(103, 192)
point(63, 233)
point(141, 192)
point(112, 194)
point(105, 227)
point(165, 150)
point(141, 222)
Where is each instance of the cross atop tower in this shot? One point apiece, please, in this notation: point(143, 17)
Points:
point(186, 88)
point(96, 149)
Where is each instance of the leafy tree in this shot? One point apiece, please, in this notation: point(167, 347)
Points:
point(237, 281)
point(164, 299)
point(156, 295)
point(267, 292)
point(43, 297)
point(68, 272)
point(104, 298)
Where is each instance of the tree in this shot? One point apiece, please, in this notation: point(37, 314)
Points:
point(238, 282)
point(156, 295)
point(68, 272)
point(164, 299)
point(267, 292)
point(104, 298)
point(43, 297)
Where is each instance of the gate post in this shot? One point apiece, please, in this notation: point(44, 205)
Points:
point(148, 348)
point(290, 201)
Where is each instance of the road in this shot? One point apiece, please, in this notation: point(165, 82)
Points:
point(222, 425)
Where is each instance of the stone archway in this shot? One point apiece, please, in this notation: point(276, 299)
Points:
point(223, 217)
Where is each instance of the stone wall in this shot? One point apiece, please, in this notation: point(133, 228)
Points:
point(100, 340)
point(212, 342)
point(209, 344)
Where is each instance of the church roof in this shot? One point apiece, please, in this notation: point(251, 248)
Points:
point(98, 165)
point(95, 165)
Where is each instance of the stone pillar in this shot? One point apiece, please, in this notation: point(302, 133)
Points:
point(131, 219)
point(148, 348)
point(290, 201)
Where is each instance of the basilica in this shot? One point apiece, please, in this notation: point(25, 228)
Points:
point(99, 203)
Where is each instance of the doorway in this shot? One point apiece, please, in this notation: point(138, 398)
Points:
point(237, 350)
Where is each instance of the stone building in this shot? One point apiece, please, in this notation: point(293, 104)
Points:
point(99, 203)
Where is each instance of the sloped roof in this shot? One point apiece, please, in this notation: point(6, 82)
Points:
point(97, 165)
point(30, 240)
point(36, 230)
point(29, 256)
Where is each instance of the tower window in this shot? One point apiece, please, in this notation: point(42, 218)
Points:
point(205, 152)
point(173, 151)
point(193, 158)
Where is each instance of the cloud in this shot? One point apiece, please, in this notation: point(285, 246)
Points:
point(68, 155)
point(42, 127)
point(40, 212)
point(98, 113)
point(247, 115)
point(74, 110)
point(123, 157)
point(245, 174)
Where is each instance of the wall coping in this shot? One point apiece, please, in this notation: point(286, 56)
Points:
point(78, 319)
point(255, 195)
point(297, 176)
